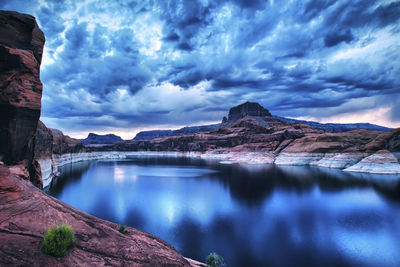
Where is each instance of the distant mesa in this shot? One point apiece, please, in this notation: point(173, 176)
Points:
point(253, 109)
point(247, 109)
point(96, 139)
point(236, 113)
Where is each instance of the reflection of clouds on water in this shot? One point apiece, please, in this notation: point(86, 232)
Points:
point(378, 248)
point(119, 174)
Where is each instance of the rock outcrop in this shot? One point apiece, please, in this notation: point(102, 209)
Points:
point(247, 109)
point(52, 141)
point(21, 48)
point(26, 212)
point(65, 144)
point(96, 139)
point(54, 149)
point(383, 162)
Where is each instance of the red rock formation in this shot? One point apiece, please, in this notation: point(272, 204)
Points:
point(268, 134)
point(247, 109)
point(65, 144)
point(43, 142)
point(21, 47)
point(26, 212)
point(53, 141)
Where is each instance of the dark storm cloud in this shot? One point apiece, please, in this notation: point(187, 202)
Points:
point(184, 46)
point(184, 19)
point(172, 37)
point(335, 38)
point(131, 63)
point(253, 4)
point(89, 65)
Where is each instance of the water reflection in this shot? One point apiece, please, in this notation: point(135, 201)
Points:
point(253, 215)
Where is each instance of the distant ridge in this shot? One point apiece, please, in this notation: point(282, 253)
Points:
point(336, 127)
point(149, 135)
point(255, 110)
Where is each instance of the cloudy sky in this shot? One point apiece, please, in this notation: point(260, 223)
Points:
point(125, 66)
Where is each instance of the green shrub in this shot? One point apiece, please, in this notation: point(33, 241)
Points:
point(214, 260)
point(122, 229)
point(58, 239)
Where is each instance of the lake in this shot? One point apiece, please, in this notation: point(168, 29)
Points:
point(252, 215)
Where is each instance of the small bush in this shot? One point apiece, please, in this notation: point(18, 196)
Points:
point(58, 239)
point(122, 229)
point(214, 260)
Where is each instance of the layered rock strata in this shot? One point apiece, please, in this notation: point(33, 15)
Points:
point(257, 139)
point(21, 48)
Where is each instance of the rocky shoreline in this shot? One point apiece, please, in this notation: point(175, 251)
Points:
point(381, 162)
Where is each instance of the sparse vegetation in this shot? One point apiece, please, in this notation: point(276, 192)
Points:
point(215, 260)
point(122, 229)
point(58, 239)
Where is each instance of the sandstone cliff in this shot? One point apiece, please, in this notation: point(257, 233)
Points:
point(25, 211)
point(21, 48)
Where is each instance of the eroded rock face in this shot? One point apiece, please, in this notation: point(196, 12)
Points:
point(26, 212)
point(65, 144)
point(21, 47)
point(383, 161)
point(53, 141)
point(43, 142)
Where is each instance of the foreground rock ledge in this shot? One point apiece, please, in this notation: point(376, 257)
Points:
point(26, 212)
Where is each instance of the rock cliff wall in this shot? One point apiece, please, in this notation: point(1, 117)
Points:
point(21, 48)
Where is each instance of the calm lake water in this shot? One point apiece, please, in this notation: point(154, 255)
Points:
point(252, 215)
